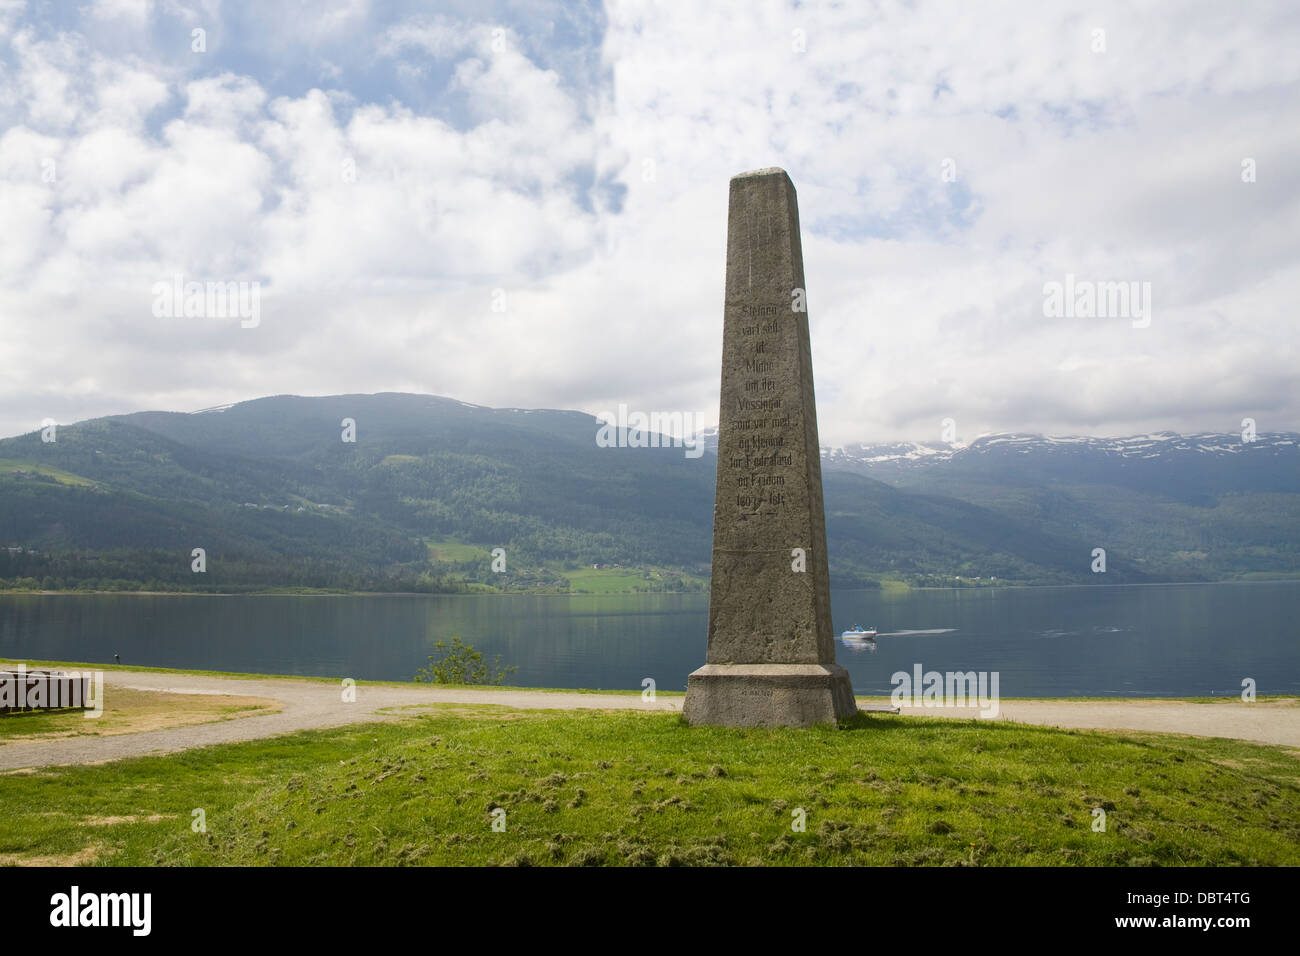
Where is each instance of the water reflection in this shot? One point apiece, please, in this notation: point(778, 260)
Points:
point(1050, 642)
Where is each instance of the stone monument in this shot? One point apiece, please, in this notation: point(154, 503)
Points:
point(771, 656)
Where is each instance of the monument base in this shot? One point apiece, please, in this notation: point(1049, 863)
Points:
point(768, 695)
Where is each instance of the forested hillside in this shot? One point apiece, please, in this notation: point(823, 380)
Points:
point(277, 499)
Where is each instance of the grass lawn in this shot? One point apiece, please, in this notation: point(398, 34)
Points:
point(448, 550)
point(894, 587)
point(128, 710)
point(636, 788)
point(622, 580)
point(604, 580)
point(11, 465)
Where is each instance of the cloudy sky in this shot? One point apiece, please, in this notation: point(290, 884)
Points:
point(524, 204)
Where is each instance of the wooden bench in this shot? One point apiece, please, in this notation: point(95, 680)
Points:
point(25, 690)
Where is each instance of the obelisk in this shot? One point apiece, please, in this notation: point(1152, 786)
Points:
point(771, 655)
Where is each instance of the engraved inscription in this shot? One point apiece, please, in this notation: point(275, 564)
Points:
point(757, 418)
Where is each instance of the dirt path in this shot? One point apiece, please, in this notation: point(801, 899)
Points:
point(309, 705)
point(306, 705)
point(1271, 722)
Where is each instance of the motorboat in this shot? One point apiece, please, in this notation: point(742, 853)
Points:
point(859, 633)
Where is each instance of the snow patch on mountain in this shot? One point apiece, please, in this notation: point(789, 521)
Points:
point(867, 455)
point(1157, 445)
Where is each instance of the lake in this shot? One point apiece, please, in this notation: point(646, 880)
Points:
point(1173, 640)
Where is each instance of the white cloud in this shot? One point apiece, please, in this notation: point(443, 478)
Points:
point(125, 96)
point(438, 36)
point(44, 69)
point(380, 232)
point(9, 13)
point(135, 12)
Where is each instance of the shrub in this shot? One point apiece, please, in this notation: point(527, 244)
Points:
point(462, 664)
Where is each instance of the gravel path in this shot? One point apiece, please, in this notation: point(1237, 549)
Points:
point(309, 705)
point(1271, 722)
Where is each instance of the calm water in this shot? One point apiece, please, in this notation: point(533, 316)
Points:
point(1102, 641)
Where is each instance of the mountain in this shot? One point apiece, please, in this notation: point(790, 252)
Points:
point(1189, 467)
point(269, 487)
point(277, 498)
point(1184, 507)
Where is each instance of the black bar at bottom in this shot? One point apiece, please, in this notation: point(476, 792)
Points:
point(910, 906)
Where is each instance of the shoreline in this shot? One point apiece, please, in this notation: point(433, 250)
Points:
point(496, 593)
point(36, 663)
